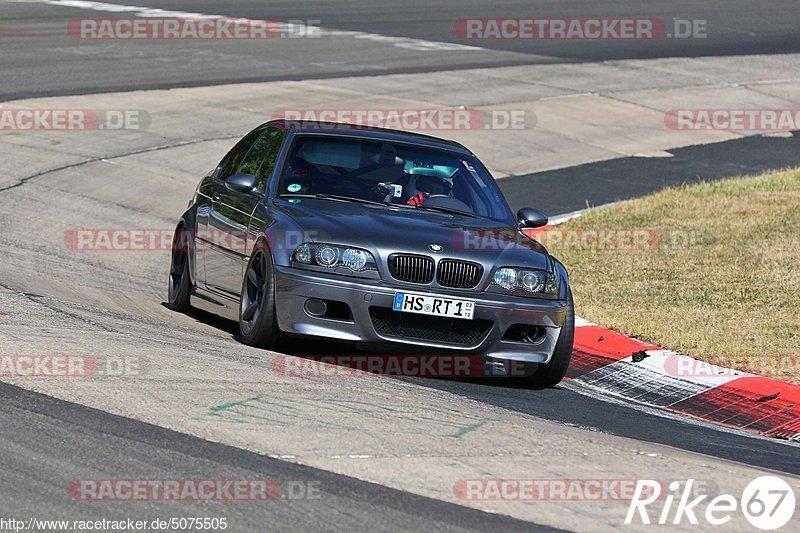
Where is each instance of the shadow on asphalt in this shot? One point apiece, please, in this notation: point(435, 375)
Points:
point(595, 184)
point(314, 349)
point(565, 406)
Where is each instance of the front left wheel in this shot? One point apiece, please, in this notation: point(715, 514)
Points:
point(552, 373)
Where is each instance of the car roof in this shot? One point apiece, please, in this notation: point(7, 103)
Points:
point(366, 132)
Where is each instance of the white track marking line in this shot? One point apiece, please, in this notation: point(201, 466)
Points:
point(399, 42)
point(581, 322)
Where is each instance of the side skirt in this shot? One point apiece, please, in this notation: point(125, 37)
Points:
point(215, 303)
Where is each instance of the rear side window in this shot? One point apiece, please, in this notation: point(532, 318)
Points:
point(262, 157)
point(233, 159)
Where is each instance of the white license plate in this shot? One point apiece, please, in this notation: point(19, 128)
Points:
point(426, 304)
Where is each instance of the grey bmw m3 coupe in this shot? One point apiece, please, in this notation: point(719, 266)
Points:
point(384, 239)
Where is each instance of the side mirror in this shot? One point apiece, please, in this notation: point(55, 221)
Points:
point(244, 183)
point(527, 217)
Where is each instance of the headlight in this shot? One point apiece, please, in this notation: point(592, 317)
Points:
point(355, 259)
point(506, 278)
point(532, 281)
point(303, 254)
point(327, 256)
point(332, 256)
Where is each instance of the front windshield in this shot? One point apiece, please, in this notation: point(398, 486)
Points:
point(391, 173)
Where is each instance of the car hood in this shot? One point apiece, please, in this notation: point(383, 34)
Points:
point(384, 231)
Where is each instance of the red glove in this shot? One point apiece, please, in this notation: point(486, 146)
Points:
point(418, 199)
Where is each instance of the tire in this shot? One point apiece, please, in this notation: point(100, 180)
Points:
point(180, 282)
point(258, 324)
point(551, 374)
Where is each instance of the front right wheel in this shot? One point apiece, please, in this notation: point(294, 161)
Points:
point(258, 324)
point(179, 279)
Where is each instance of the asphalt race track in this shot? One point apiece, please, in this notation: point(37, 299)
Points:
point(384, 452)
point(112, 444)
point(62, 65)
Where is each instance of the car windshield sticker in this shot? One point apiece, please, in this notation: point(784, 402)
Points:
point(294, 187)
point(294, 200)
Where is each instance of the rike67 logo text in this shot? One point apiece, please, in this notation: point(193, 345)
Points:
point(767, 503)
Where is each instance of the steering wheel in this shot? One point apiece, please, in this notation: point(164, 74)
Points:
point(444, 200)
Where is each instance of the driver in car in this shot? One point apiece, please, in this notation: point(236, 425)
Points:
point(430, 186)
point(301, 175)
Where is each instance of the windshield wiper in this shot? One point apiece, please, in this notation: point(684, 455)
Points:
point(447, 210)
point(335, 197)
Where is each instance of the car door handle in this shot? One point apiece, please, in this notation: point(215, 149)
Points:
point(216, 200)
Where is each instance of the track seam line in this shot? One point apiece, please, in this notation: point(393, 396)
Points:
point(23, 181)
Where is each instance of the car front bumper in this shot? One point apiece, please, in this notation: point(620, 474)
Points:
point(294, 287)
